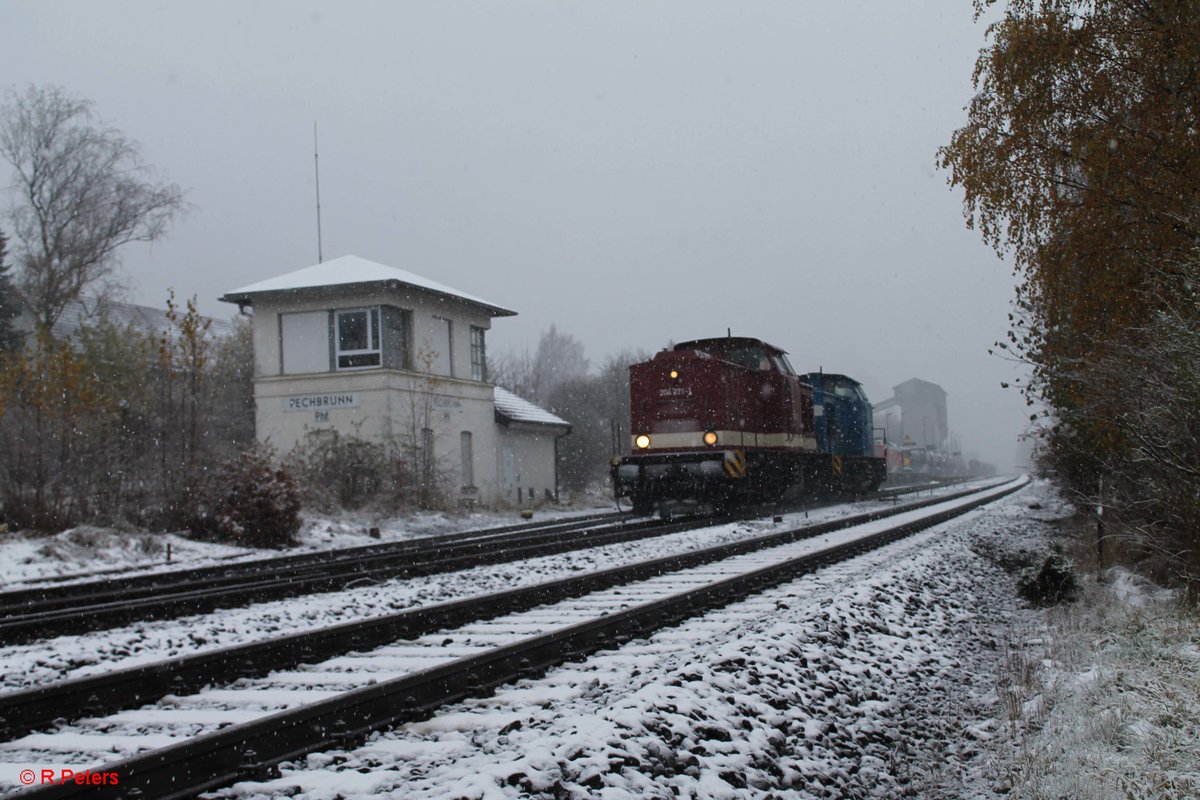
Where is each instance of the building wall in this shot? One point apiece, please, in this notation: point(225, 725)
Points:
point(426, 310)
point(379, 403)
point(389, 406)
point(887, 415)
point(923, 417)
point(525, 462)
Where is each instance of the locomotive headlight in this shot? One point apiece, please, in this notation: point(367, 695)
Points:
point(642, 441)
point(710, 437)
point(674, 374)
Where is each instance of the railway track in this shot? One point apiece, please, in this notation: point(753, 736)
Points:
point(70, 608)
point(71, 587)
point(122, 687)
point(432, 656)
point(76, 608)
point(43, 662)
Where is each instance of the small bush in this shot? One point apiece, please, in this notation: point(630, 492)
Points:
point(254, 503)
point(1053, 583)
point(347, 472)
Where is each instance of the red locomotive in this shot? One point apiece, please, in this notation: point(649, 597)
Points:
point(719, 422)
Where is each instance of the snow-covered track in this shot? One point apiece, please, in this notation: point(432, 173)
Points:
point(569, 630)
point(38, 708)
point(106, 608)
point(69, 590)
point(60, 609)
point(917, 486)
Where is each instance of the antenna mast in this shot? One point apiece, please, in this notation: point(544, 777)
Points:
point(317, 170)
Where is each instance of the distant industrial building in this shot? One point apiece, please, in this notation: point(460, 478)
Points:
point(915, 415)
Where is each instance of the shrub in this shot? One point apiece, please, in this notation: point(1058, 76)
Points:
point(1053, 583)
point(345, 472)
point(337, 471)
point(254, 503)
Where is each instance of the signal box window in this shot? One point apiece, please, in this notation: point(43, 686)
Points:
point(468, 461)
point(357, 338)
point(478, 355)
point(397, 335)
point(305, 342)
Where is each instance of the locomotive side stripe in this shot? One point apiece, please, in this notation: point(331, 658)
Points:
point(675, 441)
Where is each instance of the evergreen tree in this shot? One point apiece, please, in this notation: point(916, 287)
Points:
point(10, 304)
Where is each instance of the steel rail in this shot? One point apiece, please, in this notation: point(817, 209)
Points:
point(52, 593)
point(246, 590)
point(29, 710)
point(110, 609)
point(253, 750)
point(58, 594)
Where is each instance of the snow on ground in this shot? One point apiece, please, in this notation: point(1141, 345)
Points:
point(90, 553)
point(1107, 697)
point(84, 654)
point(911, 672)
point(93, 553)
point(874, 678)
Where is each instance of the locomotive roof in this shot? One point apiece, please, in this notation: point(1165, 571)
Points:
point(831, 376)
point(822, 377)
point(727, 341)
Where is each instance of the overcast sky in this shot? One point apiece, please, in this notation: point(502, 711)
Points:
point(634, 172)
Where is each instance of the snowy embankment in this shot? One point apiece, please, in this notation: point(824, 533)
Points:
point(1105, 697)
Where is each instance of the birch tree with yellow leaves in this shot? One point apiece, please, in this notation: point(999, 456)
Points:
point(1080, 160)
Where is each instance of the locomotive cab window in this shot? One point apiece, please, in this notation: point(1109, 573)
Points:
point(782, 364)
point(749, 357)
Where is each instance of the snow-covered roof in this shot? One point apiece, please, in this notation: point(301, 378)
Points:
point(148, 319)
point(516, 409)
point(351, 270)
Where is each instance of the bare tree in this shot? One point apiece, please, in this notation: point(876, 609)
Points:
point(597, 406)
point(559, 359)
point(424, 428)
point(513, 370)
point(82, 191)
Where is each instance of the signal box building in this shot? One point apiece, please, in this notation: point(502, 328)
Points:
point(352, 348)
